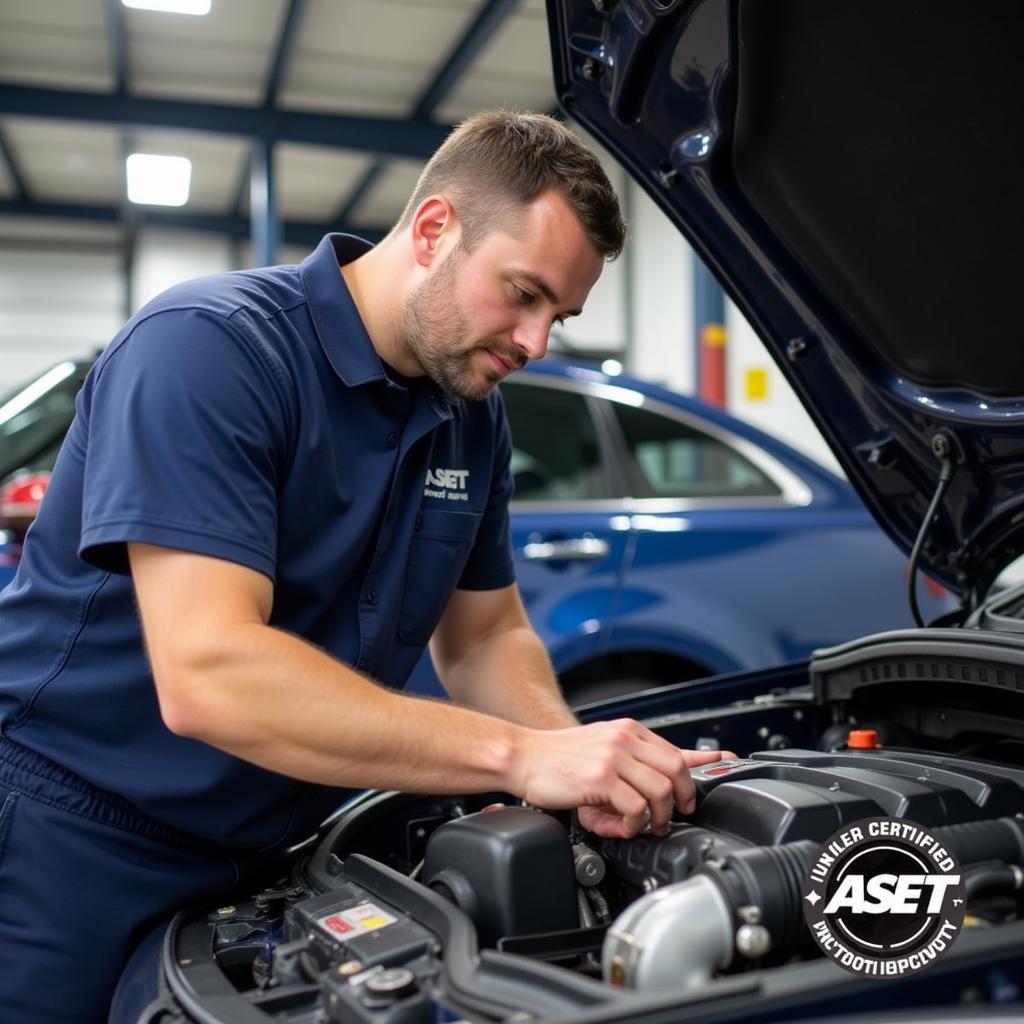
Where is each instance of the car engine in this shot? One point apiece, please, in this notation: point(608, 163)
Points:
point(414, 909)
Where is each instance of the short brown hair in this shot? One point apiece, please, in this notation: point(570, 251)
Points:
point(494, 163)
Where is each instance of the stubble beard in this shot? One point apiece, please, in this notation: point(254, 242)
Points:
point(436, 333)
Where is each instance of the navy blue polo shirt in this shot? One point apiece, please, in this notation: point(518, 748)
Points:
point(247, 417)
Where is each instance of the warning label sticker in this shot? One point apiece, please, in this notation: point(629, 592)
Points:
point(367, 917)
point(336, 925)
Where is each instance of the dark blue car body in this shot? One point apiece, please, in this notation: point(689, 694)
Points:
point(695, 544)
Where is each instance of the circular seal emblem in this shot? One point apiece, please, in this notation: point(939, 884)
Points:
point(884, 898)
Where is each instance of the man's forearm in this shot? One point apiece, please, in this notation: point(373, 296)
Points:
point(273, 699)
point(225, 677)
point(509, 674)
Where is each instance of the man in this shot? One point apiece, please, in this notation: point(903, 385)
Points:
point(248, 465)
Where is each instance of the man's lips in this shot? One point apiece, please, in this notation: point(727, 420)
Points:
point(504, 366)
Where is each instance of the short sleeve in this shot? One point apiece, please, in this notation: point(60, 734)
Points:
point(490, 564)
point(187, 427)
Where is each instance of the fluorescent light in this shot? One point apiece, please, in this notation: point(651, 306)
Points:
point(159, 180)
point(171, 6)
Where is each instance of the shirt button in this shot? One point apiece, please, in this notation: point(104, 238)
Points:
point(419, 523)
point(371, 597)
point(392, 440)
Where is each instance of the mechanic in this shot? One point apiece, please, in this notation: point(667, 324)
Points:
point(299, 476)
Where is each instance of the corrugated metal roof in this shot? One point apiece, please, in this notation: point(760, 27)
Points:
point(373, 59)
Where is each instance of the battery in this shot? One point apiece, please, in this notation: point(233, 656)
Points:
point(349, 924)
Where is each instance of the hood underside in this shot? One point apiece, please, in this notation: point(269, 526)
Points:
point(849, 170)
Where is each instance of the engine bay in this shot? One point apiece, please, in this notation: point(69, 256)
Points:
point(411, 909)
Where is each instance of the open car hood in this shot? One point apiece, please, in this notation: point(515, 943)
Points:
point(850, 172)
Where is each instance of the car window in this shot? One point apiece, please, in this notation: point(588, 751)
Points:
point(555, 451)
point(677, 460)
point(35, 417)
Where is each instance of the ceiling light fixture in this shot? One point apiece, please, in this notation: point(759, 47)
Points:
point(171, 6)
point(158, 180)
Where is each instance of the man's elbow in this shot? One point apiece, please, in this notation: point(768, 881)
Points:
point(186, 690)
point(181, 708)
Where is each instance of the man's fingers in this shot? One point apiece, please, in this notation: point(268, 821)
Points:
point(672, 763)
point(631, 805)
point(661, 755)
point(686, 794)
point(695, 758)
point(656, 789)
point(623, 768)
point(603, 821)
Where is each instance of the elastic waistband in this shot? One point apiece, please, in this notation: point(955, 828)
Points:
point(54, 784)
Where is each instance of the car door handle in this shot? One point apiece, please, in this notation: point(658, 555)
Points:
point(575, 549)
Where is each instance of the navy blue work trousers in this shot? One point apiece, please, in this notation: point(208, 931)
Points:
point(84, 876)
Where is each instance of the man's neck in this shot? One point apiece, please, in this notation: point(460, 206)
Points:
point(373, 280)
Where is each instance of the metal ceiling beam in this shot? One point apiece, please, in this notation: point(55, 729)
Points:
point(118, 45)
point(488, 20)
point(244, 184)
point(283, 51)
point(264, 225)
point(293, 232)
point(389, 137)
point(282, 55)
point(10, 165)
point(360, 191)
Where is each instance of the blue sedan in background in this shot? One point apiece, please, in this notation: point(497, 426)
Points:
point(656, 538)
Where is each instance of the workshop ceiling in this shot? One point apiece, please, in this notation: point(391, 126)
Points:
point(352, 93)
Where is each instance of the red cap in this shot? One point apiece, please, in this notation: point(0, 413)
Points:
point(862, 739)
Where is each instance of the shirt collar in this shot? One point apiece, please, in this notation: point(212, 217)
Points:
point(338, 325)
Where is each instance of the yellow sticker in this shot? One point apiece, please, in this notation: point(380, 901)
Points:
point(756, 385)
point(368, 917)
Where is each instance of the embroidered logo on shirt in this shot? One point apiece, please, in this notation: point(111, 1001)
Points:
point(450, 484)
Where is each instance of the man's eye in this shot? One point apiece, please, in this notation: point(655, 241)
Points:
point(523, 296)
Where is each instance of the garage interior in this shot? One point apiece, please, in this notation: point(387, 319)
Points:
point(298, 117)
point(232, 644)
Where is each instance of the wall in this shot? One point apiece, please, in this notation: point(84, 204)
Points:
point(163, 258)
point(660, 345)
point(60, 295)
point(757, 392)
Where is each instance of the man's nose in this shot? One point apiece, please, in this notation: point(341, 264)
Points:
point(532, 338)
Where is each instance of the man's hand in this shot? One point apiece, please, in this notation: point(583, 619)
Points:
point(604, 820)
point(615, 772)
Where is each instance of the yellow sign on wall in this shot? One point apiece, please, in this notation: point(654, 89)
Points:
point(755, 384)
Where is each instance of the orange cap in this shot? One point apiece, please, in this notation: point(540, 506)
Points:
point(862, 739)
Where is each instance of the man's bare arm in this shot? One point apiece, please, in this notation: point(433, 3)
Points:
point(224, 676)
point(489, 657)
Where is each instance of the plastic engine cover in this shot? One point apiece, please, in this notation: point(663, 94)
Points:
point(510, 871)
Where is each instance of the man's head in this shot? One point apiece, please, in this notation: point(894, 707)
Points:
point(509, 227)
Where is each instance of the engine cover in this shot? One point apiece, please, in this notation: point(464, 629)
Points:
point(775, 797)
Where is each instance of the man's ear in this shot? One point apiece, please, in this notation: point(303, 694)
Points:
point(434, 229)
